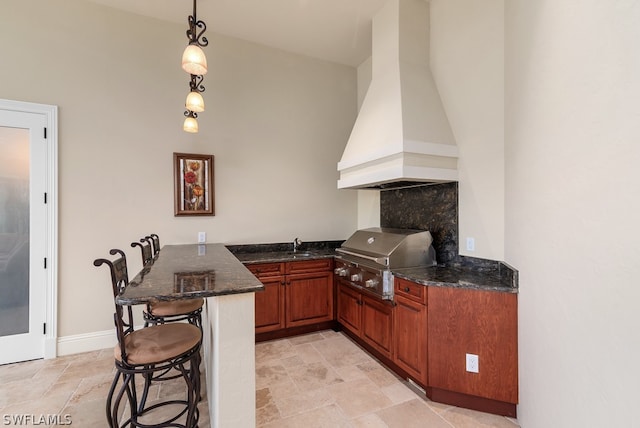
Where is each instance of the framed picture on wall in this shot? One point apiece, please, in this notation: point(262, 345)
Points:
point(193, 184)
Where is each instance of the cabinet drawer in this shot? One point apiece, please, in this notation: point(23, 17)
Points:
point(266, 269)
point(410, 290)
point(316, 265)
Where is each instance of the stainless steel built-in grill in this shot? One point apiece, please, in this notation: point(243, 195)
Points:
point(367, 257)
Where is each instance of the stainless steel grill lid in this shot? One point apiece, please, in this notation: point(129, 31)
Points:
point(391, 248)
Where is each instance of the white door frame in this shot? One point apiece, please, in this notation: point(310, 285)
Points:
point(51, 114)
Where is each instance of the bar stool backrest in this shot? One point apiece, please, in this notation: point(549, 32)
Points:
point(146, 250)
point(123, 318)
point(155, 239)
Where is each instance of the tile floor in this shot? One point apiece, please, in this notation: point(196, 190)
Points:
point(325, 380)
point(316, 380)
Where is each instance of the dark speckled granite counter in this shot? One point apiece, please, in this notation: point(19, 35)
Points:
point(283, 256)
point(462, 272)
point(462, 277)
point(190, 271)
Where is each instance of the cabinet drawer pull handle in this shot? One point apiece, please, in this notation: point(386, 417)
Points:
point(407, 289)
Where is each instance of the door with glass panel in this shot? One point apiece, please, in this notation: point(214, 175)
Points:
point(23, 223)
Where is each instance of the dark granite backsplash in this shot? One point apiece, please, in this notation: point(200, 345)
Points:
point(430, 207)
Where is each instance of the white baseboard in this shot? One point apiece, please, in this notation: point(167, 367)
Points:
point(86, 342)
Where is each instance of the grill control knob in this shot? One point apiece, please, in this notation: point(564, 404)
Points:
point(341, 271)
point(356, 277)
point(371, 283)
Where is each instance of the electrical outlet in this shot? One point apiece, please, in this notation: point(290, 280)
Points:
point(473, 363)
point(471, 244)
point(202, 237)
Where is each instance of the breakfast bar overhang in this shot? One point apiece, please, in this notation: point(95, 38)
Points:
point(211, 271)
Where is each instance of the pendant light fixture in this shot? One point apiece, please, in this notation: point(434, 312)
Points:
point(194, 101)
point(190, 122)
point(194, 62)
point(193, 59)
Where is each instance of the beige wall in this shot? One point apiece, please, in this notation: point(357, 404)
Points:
point(572, 202)
point(467, 62)
point(276, 123)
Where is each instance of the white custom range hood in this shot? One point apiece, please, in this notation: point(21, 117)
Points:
point(402, 133)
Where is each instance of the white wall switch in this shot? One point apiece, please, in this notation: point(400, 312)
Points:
point(202, 237)
point(472, 363)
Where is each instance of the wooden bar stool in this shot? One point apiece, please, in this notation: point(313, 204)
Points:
point(189, 310)
point(153, 353)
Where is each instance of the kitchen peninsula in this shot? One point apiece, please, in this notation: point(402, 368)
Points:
point(211, 271)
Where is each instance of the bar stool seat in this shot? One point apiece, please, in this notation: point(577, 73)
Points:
point(155, 344)
point(175, 307)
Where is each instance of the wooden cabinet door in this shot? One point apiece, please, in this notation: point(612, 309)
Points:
point(410, 338)
point(269, 306)
point(349, 308)
point(484, 323)
point(309, 298)
point(377, 324)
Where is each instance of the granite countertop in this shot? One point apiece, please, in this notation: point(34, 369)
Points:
point(472, 277)
point(465, 272)
point(187, 272)
point(284, 256)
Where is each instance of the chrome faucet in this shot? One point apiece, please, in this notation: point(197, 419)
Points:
point(296, 243)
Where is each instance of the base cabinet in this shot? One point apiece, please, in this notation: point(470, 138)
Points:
point(483, 323)
point(377, 324)
point(410, 330)
point(369, 318)
point(269, 305)
point(296, 294)
point(426, 333)
point(349, 308)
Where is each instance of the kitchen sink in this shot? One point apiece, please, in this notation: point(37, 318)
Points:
point(299, 254)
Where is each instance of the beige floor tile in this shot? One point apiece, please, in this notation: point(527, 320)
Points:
point(270, 374)
point(294, 361)
point(370, 420)
point(313, 376)
point(379, 374)
point(465, 418)
point(308, 353)
point(324, 417)
point(303, 402)
point(359, 397)
point(340, 352)
point(349, 373)
point(306, 338)
point(283, 389)
point(274, 350)
point(398, 392)
point(412, 414)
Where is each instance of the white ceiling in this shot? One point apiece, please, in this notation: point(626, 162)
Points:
point(333, 30)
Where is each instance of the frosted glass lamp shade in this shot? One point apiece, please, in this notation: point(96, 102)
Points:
point(194, 102)
point(190, 125)
point(194, 61)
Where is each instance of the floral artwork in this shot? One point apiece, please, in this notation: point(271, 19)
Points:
point(193, 184)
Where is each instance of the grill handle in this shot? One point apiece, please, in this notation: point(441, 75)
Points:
point(380, 260)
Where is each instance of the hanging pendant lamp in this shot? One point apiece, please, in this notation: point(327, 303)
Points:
point(190, 122)
point(194, 60)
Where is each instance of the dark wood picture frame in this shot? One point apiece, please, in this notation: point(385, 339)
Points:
point(193, 189)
